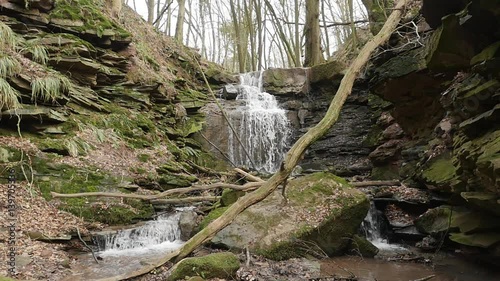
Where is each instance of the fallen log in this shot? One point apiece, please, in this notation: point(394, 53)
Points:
point(176, 191)
point(375, 183)
point(184, 200)
point(248, 176)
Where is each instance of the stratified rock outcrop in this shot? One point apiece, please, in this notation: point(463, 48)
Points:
point(445, 98)
point(82, 86)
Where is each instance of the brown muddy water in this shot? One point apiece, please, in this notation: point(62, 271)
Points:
point(447, 268)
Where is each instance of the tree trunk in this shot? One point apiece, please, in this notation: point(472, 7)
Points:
point(294, 155)
point(151, 11)
point(313, 53)
point(297, 33)
point(179, 27)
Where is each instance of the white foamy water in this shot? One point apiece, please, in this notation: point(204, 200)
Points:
point(371, 224)
point(159, 235)
point(262, 126)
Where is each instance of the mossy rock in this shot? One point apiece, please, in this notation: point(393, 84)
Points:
point(278, 231)
point(440, 173)
point(363, 247)
point(483, 240)
point(326, 72)
point(62, 178)
point(219, 265)
point(214, 214)
point(168, 181)
point(485, 201)
point(229, 196)
point(448, 47)
point(388, 172)
point(434, 220)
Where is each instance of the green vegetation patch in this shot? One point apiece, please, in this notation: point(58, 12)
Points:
point(88, 12)
point(217, 265)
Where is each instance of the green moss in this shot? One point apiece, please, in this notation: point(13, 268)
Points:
point(137, 129)
point(283, 250)
point(229, 196)
point(217, 265)
point(315, 187)
point(440, 171)
point(361, 246)
point(384, 173)
point(329, 71)
point(89, 13)
point(9, 154)
point(214, 214)
point(144, 157)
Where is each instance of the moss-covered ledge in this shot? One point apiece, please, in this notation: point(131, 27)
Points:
point(322, 210)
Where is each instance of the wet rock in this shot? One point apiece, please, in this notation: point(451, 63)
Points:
point(483, 240)
point(434, 220)
point(394, 131)
point(187, 224)
point(362, 247)
point(386, 152)
point(218, 265)
point(322, 209)
point(229, 92)
point(485, 201)
point(428, 243)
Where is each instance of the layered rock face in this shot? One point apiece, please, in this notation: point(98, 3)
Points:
point(89, 92)
point(442, 130)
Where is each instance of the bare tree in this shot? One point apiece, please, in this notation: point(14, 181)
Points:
point(179, 27)
point(313, 53)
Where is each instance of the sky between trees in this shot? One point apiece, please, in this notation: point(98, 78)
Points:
point(248, 35)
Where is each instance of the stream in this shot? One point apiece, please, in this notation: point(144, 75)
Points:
point(127, 250)
point(445, 268)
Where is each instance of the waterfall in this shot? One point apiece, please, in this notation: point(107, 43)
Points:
point(160, 234)
point(261, 125)
point(372, 226)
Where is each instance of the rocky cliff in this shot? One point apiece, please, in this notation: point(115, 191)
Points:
point(93, 102)
point(441, 130)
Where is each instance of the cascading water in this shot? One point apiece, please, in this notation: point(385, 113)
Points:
point(261, 125)
point(372, 226)
point(161, 234)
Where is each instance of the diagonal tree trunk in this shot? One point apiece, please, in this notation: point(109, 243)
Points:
point(294, 155)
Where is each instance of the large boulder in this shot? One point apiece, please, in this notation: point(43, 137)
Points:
point(282, 81)
point(322, 210)
point(218, 265)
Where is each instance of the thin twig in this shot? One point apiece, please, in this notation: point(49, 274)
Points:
point(87, 246)
point(425, 278)
point(218, 149)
